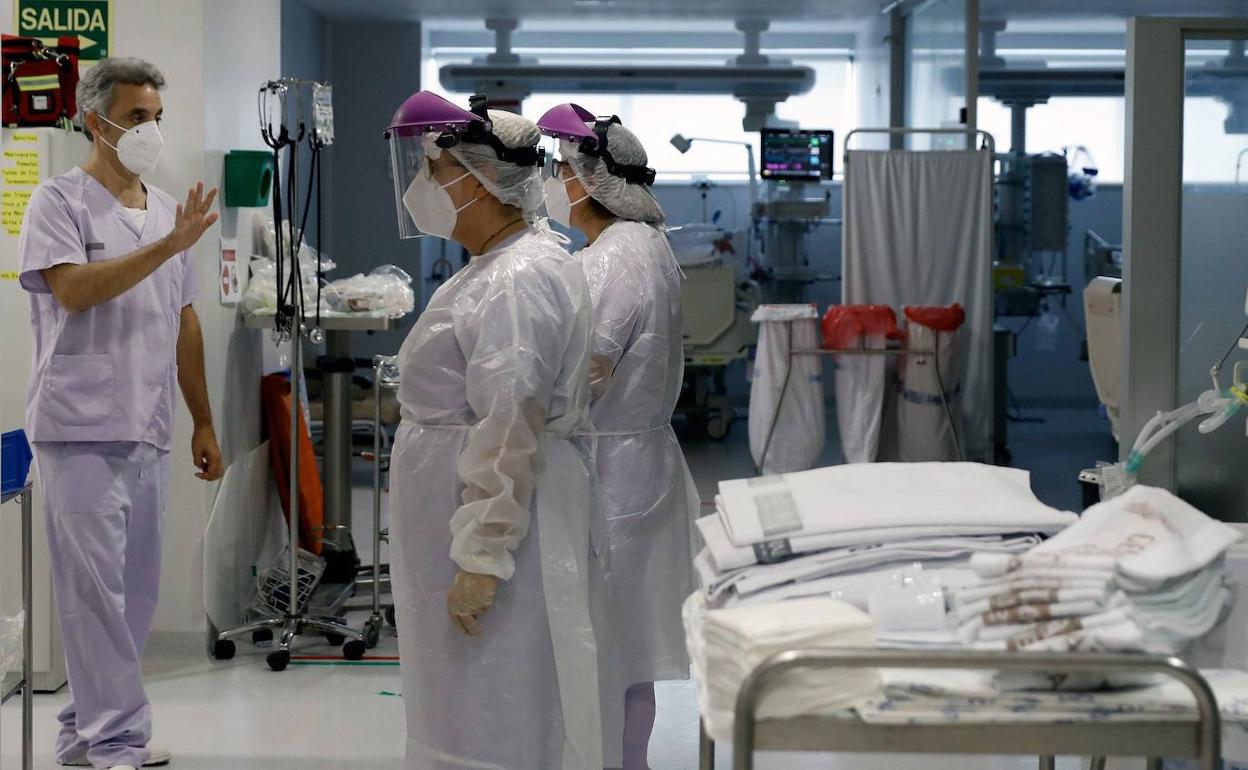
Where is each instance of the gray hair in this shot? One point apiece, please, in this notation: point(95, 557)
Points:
point(95, 89)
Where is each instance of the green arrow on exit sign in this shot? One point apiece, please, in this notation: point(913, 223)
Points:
point(88, 20)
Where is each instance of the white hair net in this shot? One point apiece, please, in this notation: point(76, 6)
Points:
point(626, 200)
point(519, 186)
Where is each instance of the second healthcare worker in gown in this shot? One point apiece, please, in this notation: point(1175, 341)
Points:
point(601, 186)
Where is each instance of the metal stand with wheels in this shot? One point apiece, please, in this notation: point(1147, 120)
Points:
point(293, 621)
point(385, 377)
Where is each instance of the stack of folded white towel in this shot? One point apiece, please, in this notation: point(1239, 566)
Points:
point(791, 535)
point(1141, 572)
point(726, 645)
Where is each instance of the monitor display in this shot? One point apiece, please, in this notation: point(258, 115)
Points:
point(795, 154)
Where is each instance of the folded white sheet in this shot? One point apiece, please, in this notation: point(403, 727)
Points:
point(848, 560)
point(726, 557)
point(1020, 635)
point(856, 588)
point(985, 589)
point(1147, 535)
point(726, 645)
point(1011, 599)
point(847, 498)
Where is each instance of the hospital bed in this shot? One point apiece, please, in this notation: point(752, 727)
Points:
point(716, 304)
point(1195, 735)
point(717, 331)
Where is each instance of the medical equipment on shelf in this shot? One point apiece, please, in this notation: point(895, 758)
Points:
point(797, 155)
point(1032, 220)
point(1081, 177)
point(284, 127)
point(795, 162)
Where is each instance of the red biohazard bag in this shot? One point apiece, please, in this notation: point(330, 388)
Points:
point(39, 82)
point(843, 325)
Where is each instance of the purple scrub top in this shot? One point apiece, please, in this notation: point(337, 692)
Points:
point(108, 373)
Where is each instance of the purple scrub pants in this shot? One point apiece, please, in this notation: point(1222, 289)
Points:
point(105, 505)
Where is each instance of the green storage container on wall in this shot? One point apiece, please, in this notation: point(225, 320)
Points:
point(248, 177)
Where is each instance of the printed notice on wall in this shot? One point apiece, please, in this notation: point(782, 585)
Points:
point(19, 171)
point(230, 292)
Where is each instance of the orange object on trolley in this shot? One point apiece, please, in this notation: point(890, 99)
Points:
point(275, 397)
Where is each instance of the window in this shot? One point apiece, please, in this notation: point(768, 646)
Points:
point(1219, 157)
point(655, 118)
point(1097, 123)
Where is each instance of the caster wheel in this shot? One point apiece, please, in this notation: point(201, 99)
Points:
point(262, 636)
point(718, 428)
point(372, 633)
point(354, 650)
point(390, 617)
point(223, 649)
point(335, 640)
point(278, 661)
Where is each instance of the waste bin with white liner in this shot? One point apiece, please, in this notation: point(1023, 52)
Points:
point(860, 378)
point(787, 421)
point(929, 407)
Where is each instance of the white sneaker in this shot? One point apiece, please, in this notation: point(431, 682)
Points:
point(160, 757)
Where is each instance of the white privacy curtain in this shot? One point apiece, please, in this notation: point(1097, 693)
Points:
point(918, 231)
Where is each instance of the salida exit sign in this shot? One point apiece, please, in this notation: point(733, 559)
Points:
point(88, 20)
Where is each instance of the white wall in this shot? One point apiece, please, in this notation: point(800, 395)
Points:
point(240, 50)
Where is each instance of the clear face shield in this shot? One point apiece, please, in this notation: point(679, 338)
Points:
point(410, 156)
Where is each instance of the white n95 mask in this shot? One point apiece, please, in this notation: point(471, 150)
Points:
point(431, 207)
point(558, 204)
point(139, 148)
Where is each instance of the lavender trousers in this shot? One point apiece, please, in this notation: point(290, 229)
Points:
point(104, 503)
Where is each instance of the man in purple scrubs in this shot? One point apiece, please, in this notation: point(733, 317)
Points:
point(104, 257)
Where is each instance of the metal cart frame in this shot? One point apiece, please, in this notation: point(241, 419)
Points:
point(27, 682)
point(1152, 737)
point(788, 374)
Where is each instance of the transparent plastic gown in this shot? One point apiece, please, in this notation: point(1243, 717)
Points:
point(487, 477)
point(647, 494)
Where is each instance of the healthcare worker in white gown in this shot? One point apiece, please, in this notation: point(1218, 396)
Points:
point(601, 187)
point(491, 503)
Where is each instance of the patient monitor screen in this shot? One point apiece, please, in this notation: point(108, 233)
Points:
point(796, 154)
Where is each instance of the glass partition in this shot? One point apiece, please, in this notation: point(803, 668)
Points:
point(1213, 267)
point(936, 63)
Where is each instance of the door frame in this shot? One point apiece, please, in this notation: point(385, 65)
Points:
point(1152, 215)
